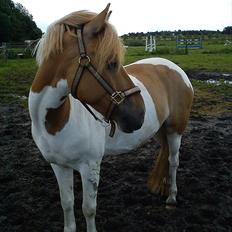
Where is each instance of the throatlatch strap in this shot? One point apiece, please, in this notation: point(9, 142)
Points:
point(112, 123)
point(112, 129)
point(91, 112)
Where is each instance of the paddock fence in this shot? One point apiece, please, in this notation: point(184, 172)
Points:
point(17, 50)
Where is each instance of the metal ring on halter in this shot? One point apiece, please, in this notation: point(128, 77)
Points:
point(118, 97)
point(84, 60)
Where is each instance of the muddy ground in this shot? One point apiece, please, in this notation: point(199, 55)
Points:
point(29, 197)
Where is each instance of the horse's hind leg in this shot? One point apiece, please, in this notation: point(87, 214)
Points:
point(159, 176)
point(64, 178)
point(174, 141)
point(162, 178)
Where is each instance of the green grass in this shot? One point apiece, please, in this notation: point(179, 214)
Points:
point(211, 58)
point(16, 77)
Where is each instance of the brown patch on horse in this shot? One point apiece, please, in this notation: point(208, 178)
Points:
point(56, 119)
point(149, 76)
point(173, 100)
point(53, 70)
point(171, 96)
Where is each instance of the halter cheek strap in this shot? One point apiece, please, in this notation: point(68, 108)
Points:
point(116, 97)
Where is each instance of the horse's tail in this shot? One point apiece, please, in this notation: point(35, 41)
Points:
point(158, 181)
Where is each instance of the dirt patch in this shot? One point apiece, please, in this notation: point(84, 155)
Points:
point(204, 76)
point(29, 197)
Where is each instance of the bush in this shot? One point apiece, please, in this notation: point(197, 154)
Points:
point(134, 42)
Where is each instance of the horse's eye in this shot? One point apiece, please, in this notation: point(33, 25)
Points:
point(112, 65)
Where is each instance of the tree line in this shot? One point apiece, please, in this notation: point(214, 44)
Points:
point(138, 38)
point(226, 31)
point(16, 23)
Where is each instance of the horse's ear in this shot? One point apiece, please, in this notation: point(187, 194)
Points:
point(97, 24)
point(108, 15)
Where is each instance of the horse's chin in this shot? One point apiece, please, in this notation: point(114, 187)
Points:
point(127, 128)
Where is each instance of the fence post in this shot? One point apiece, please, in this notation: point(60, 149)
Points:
point(3, 51)
point(186, 46)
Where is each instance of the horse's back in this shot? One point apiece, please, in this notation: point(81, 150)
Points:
point(168, 64)
point(169, 88)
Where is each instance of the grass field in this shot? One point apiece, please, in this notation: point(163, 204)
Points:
point(210, 58)
point(16, 75)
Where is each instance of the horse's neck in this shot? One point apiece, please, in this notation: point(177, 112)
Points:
point(55, 103)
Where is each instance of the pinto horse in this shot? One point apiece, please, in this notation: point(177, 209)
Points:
point(81, 87)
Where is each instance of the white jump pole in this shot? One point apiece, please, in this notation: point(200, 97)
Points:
point(146, 46)
point(150, 47)
point(150, 43)
point(154, 45)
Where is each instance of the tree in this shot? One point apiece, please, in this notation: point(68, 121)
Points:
point(23, 11)
point(227, 30)
point(5, 27)
point(16, 23)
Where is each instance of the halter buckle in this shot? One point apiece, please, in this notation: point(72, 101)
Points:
point(84, 60)
point(117, 97)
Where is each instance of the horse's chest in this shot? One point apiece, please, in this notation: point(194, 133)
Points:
point(73, 144)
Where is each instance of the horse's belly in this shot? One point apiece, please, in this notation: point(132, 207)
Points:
point(123, 142)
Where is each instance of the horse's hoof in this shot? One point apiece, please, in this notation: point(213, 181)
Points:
point(171, 203)
point(170, 207)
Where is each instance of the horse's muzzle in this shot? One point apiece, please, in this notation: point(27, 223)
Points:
point(129, 117)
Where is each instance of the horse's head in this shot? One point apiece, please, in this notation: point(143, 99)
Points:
point(95, 43)
point(89, 40)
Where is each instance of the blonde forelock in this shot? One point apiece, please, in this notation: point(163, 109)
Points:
point(109, 47)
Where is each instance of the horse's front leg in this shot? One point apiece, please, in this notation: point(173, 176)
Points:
point(64, 178)
point(90, 173)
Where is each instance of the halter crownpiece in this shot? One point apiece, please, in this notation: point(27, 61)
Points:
point(116, 97)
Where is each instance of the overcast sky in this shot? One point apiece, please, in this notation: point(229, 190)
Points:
point(140, 16)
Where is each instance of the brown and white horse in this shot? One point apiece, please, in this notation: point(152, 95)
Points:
point(82, 54)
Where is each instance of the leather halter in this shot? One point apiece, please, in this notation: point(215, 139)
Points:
point(116, 97)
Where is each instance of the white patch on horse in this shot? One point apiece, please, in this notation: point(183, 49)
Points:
point(168, 63)
point(123, 142)
point(81, 125)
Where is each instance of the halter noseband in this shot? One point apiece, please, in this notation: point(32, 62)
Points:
point(116, 97)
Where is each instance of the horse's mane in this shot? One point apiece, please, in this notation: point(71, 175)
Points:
point(52, 41)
